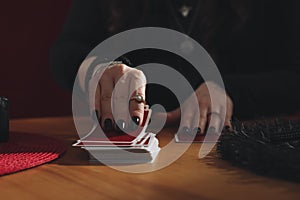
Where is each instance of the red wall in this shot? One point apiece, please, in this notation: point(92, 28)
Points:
point(28, 29)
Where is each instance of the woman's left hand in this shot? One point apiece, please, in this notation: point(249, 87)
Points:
point(211, 113)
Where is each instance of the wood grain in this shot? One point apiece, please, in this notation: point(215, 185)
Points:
point(73, 177)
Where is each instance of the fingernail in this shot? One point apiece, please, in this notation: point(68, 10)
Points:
point(108, 126)
point(121, 125)
point(197, 131)
point(185, 130)
point(136, 120)
point(226, 129)
point(135, 124)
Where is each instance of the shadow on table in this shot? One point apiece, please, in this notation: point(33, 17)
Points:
point(74, 156)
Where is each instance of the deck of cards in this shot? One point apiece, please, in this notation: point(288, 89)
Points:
point(115, 147)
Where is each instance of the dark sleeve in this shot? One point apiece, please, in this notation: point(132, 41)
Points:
point(275, 90)
point(82, 31)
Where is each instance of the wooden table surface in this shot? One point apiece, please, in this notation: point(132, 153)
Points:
point(72, 177)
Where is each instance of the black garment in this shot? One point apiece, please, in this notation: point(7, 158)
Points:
point(260, 63)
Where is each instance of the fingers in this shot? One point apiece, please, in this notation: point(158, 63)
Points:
point(112, 97)
point(97, 102)
point(94, 99)
point(228, 115)
point(136, 109)
point(204, 105)
point(209, 121)
point(187, 119)
point(120, 97)
point(107, 86)
point(128, 113)
point(203, 120)
point(215, 122)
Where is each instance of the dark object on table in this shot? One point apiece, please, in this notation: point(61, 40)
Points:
point(4, 119)
point(270, 148)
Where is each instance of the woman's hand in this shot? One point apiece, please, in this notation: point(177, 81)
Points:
point(209, 114)
point(117, 85)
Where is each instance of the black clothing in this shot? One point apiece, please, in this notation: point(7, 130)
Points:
point(259, 63)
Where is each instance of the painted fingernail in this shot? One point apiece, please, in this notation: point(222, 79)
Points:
point(185, 130)
point(197, 131)
point(136, 120)
point(135, 124)
point(108, 126)
point(121, 125)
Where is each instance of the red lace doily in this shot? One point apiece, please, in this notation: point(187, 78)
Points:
point(24, 151)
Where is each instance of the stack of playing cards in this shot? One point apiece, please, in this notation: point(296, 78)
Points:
point(119, 147)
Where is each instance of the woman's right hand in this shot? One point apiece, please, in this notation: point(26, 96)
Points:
point(117, 85)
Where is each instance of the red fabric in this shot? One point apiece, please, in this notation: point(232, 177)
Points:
point(24, 151)
point(28, 30)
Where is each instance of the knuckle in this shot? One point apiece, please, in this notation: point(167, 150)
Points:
point(203, 103)
point(120, 69)
point(138, 74)
point(106, 72)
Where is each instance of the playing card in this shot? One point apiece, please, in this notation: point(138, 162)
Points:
point(115, 138)
point(147, 144)
point(144, 141)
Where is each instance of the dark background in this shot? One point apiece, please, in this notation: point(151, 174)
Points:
point(28, 29)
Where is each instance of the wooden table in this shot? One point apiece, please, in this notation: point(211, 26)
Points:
point(72, 177)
